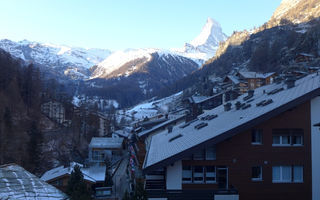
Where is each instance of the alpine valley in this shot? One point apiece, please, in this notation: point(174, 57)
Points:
point(128, 76)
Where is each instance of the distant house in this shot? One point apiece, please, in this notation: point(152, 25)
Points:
point(196, 104)
point(93, 176)
point(17, 183)
point(54, 110)
point(304, 57)
point(101, 148)
point(263, 145)
point(255, 79)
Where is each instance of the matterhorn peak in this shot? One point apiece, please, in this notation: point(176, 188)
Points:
point(211, 32)
point(204, 46)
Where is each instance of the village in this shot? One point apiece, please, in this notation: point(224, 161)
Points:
point(247, 130)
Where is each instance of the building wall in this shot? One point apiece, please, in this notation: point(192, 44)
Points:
point(174, 176)
point(315, 148)
point(239, 156)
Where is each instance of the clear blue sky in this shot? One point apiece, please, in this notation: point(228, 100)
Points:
point(120, 24)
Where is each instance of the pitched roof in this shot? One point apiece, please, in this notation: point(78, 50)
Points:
point(92, 174)
point(106, 142)
point(256, 74)
point(234, 79)
point(17, 183)
point(165, 150)
point(146, 132)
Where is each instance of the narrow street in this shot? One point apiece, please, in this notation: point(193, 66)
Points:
point(121, 179)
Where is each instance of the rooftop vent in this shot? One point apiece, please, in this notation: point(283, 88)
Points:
point(250, 95)
point(175, 137)
point(264, 102)
point(275, 91)
point(227, 106)
point(201, 125)
point(290, 82)
point(209, 117)
point(246, 106)
point(184, 125)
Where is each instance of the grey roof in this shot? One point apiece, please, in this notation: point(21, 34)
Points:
point(163, 148)
point(146, 132)
point(256, 74)
point(17, 183)
point(106, 142)
point(234, 79)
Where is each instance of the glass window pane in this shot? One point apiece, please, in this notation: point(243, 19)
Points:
point(286, 173)
point(186, 174)
point(276, 139)
point(210, 174)
point(276, 173)
point(298, 173)
point(199, 155)
point(297, 140)
point(256, 173)
point(285, 139)
point(198, 174)
point(211, 153)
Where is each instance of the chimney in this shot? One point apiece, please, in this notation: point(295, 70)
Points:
point(227, 106)
point(250, 93)
point(290, 82)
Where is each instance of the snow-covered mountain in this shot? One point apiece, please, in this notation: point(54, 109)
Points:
point(64, 60)
point(204, 46)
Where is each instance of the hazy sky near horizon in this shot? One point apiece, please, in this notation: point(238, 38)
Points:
point(121, 24)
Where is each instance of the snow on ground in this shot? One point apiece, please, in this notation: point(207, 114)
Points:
point(103, 104)
point(150, 108)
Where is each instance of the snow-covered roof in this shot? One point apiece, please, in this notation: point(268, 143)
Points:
point(106, 142)
point(92, 173)
point(201, 99)
point(122, 133)
point(166, 147)
point(17, 183)
point(256, 74)
point(146, 132)
point(234, 79)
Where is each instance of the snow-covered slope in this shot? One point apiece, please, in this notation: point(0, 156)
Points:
point(206, 43)
point(125, 63)
point(119, 59)
point(72, 62)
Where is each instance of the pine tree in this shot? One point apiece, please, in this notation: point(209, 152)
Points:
point(35, 148)
point(77, 189)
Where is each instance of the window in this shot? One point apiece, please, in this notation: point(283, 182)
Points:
point(283, 174)
point(287, 137)
point(257, 173)
point(198, 174)
point(298, 174)
point(186, 174)
point(211, 153)
point(210, 174)
point(97, 155)
point(199, 155)
point(256, 137)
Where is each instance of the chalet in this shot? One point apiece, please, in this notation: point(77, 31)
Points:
point(54, 110)
point(17, 183)
point(262, 145)
point(304, 57)
point(94, 176)
point(196, 104)
point(255, 79)
point(102, 148)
